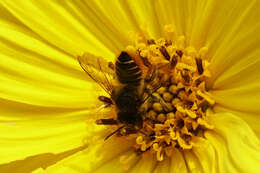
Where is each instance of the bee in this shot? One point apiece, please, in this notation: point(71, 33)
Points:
point(127, 97)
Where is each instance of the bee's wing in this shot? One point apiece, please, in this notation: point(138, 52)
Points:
point(98, 69)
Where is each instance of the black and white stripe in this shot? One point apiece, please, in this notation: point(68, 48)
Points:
point(127, 70)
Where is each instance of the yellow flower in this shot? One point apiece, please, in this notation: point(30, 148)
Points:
point(47, 101)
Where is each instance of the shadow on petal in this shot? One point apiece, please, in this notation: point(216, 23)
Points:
point(43, 161)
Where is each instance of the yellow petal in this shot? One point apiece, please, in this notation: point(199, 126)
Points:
point(22, 138)
point(99, 157)
point(61, 27)
point(34, 73)
point(34, 85)
point(12, 111)
point(244, 71)
point(234, 25)
point(106, 22)
point(244, 98)
point(192, 161)
point(237, 147)
point(129, 159)
point(224, 161)
point(238, 87)
point(147, 163)
point(205, 153)
point(252, 119)
point(38, 162)
point(178, 163)
point(163, 166)
point(146, 19)
point(18, 38)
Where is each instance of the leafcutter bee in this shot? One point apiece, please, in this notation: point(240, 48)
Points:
point(127, 97)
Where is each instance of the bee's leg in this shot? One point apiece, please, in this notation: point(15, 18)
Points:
point(160, 99)
point(151, 74)
point(151, 137)
point(141, 89)
point(109, 121)
point(132, 130)
point(148, 78)
point(153, 83)
point(106, 100)
point(111, 65)
point(129, 130)
point(111, 134)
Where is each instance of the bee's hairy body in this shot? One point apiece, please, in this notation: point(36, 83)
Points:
point(127, 99)
point(126, 94)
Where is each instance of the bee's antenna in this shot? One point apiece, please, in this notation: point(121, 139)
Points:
point(117, 130)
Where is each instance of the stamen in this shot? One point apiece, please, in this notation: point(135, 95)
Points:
point(199, 65)
point(173, 61)
point(149, 42)
point(165, 53)
point(179, 53)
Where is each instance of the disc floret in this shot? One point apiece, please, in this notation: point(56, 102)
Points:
point(176, 113)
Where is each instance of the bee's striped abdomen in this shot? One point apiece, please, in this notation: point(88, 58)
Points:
point(127, 70)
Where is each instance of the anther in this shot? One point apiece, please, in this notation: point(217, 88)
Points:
point(149, 42)
point(199, 65)
point(173, 61)
point(179, 53)
point(165, 53)
point(111, 66)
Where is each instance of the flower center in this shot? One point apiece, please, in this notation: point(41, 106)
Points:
point(174, 114)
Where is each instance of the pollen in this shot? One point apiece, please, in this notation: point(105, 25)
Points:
point(175, 115)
